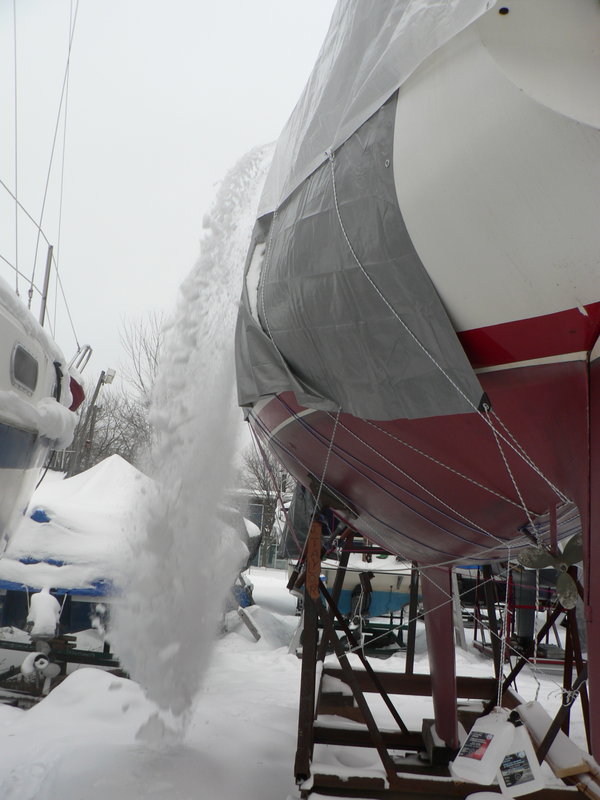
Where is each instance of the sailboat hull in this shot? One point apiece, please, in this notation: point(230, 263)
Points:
point(421, 303)
point(433, 490)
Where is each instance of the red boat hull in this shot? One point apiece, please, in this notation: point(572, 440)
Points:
point(433, 490)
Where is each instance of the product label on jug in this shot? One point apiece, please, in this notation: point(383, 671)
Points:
point(476, 743)
point(516, 769)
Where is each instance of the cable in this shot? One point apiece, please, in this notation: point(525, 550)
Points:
point(16, 133)
point(60, 105)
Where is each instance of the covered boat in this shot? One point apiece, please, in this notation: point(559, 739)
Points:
point(421, 306)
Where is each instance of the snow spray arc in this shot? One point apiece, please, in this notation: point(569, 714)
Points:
point(187, 557)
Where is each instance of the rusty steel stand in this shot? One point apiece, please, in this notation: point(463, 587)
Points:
point(414, 764)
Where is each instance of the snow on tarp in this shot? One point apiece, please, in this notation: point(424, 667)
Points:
point(85, 543)
point(344, 90)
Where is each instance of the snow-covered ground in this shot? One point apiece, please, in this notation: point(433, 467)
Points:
point(97, 736)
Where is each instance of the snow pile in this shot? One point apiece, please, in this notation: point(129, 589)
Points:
point(92, 519)
point(81, 740)
point(44, 614)
point(185, 567)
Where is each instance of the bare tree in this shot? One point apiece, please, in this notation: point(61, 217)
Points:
point(142, 340)
point(118, 421)
point(266, 480)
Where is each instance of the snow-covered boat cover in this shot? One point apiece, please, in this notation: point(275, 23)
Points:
point(79, 532)
point(337, 305)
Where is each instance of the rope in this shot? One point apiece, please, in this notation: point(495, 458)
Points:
point(263, 279)
point(480, 554)
point(327, 457)
point(447, 467)
point(510, 473)
point(517, 448)
point(529, 461)
point(424, 488)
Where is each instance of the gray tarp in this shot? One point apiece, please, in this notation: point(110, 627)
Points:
point(324, 332)
point(371, 48)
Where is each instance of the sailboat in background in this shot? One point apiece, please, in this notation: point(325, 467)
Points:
point(40, 390)
point(418, 336)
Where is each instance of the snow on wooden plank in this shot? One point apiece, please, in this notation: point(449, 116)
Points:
point(564, 756)
point(273, 630)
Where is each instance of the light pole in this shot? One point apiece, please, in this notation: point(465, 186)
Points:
point(87, 429)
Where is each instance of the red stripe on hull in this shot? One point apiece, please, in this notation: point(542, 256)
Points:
point(570, 331)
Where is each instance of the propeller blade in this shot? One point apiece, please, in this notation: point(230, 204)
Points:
point(573, 552)
point(566, 590)
point(536, 558)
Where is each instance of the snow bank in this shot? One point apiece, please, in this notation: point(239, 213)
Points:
point(82, 740)
point(44, 614)
point(189, 558)
point(93, 519)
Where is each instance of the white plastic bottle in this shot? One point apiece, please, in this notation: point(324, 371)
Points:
point(484, 749)
point(520, 771)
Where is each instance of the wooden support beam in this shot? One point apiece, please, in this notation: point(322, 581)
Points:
point(562, 714)
point(414, 787)
point(528, 652)
point(359, 737)
point(337, 586)
point(412, 619)
point(306, 712)
point(573, 626)
point(350, 680)
point(419, 685)
point(375, 684)
point(489, 591)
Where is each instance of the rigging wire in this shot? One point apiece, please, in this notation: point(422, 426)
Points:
point(27, 214)
point(56, 127)
point(479, 554)
point(325, 465)
point(16, 134)
point(445, 466)
point(62, 168)
point(422, 570)
point(515, 447)
point(19, 273)
point(484, 414)
point(424, 488)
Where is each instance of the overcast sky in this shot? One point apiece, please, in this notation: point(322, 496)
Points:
point(163, 99)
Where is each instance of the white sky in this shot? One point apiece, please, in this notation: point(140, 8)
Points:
point(164, 97)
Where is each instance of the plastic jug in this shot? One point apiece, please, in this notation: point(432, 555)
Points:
point(484, 749)
point(520, 771)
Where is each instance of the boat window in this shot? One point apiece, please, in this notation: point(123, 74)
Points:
point(24, 369)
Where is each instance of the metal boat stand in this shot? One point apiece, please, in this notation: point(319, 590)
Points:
point(334, 711)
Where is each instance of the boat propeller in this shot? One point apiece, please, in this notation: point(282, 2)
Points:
point(539, 558)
